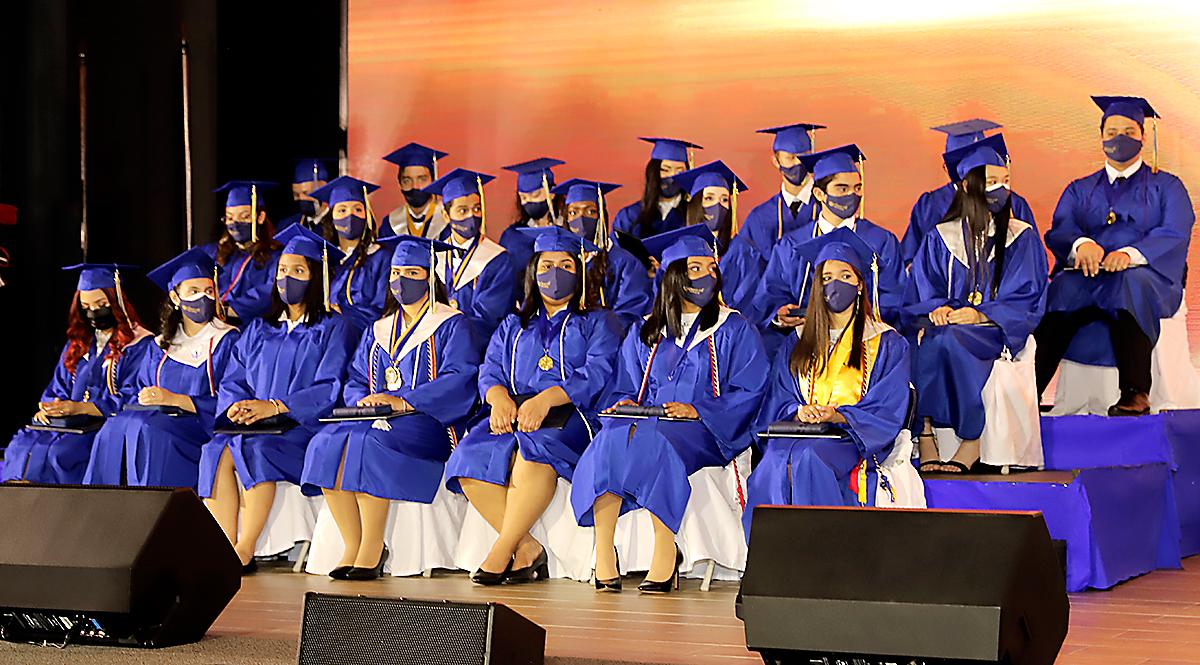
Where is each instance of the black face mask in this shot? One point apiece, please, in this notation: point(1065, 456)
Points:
point(308, 207)
point(101, 318)
point(415, 197)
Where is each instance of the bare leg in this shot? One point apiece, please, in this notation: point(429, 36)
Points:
point(927, 446)
point(605, 512)
point(967, 453)
point(344, 508)
point(223, 504)
point(662, 565)
point(532, 489)
point(259, 500)
point(487, 498)
point(373, 512)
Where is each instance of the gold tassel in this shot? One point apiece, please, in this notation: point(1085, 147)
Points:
point(435, 176)
point(875, 287)
point(691, 156)
point(217, 289)
point(1154, 165)
point(253, 214)
point(549, 200)
point(370, 215)
point(733, 220)
point(583, 276)
point(121, 294)
point(482, 207)
point(862, 176)
point(602, 223)
point(325, 273)
point(779, 216)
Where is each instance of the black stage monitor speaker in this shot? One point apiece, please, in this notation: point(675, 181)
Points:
point(357, 630)
point(873, 586)
point(109, 565)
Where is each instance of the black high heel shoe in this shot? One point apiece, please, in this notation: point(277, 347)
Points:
point(363, 574)
point(485, 578)
point(613, 585)
point(537, 571)
point(666, 585)
point(249, 568)
point(339, 573)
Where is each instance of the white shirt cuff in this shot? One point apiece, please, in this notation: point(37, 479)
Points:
point(1136, 258)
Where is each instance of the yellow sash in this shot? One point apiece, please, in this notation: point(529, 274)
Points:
point(839, 384)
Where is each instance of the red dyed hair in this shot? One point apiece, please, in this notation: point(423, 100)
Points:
point(79, 333)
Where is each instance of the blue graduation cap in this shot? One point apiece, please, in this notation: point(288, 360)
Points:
point(415, 252)
point(990, 151)
point(300, 241)
point(578, 189)
point(966, 132)
point(1134, 108)
point(344, 188)
point(244, 192)
point(557, 239)
point(712, 174)
point(669, 247)
point(795, 138)
point(93, 276)
point(534, 174)
point(844, 245)
point(673, 150)
point(310, 169)
point(842, 159)
point(192, 264)
point(415, 154)
point(458, 183)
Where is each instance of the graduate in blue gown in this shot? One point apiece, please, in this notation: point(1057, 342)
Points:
point(931, 206)
point(793, 205)
point(662, 206)
point(838, 189)
point(1120, 239)
point(479, 280)
point(537, 207)
point(627, 290)
point(309, 175)
point(700, 361)
point(287, 368)
point(92, 380)
point(246, 252)
point(358, 289)
point(158, 439)
point(421, 213)
point(976, 291)
point(846, 369)
point(557, 353)
point(419, 359)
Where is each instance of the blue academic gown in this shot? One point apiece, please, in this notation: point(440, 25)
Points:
point(61, 458)
point(304, 369)
point(932, 206)
point(243, 284)
point(484, 291)
point(627, 290)
point(361, 292)
point(626, 220)
point(401, 459)
point(1153, 215)
point(158, 449)
point(762, 226)
point(953, 362)
point(817, 472)
point(520, 249)
point(584, 349)
point(647, 462)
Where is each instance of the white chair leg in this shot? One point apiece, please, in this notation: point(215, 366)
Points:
point(427, 573)
point(708, 575)
point(302, 557)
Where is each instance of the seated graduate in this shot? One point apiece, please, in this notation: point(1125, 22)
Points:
point(1119, 238)
point(699, 361)
point(419, 359)
point(94, 377)
point(846, 369)
point(309, 175)
point(838, 188)
point(359, 284)
point(537, 207)
point(930, 208)
point(421, 213)
point(287, 370)
point(626, 287)
point(479, 280)
point(559, 351)
point(980, 280)
point(246, 252)
point(157, 441)
point(793, 205)
point(661, 208)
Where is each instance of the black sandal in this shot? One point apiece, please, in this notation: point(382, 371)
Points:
point(926, 463)
point(958, 467)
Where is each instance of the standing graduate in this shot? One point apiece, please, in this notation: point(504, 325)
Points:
point(976, 290)
point(931, 207)
point(287, 367)
point(1120, 239)
point(662, 206)
point(359, 286)
point(419, 359)
point(479, 280)
point(846, 369)
point(158, 440)
point(421, 213)
point(537, 207)
point(557, 352)
point(701, 362)
point(308, 176)
point(246, 252)
point(793, 205)
point(838, 189)
point(626, 287)
point(94, 377)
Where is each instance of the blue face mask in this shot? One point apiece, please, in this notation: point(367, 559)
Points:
point(200, 308)
point(350, 227)
point(997, 198)
point(308, 207)
point(715, 216)
point(291, 290)
point(467, 228)
point(536, 209)
point(409, 290)
point(239, 231)
point(839, 295)
point(583, 226)
point(844, 206)
point(794, 174)
point(700, 291)
point(556, 283)
point(415, 197)
point(1122, 148)
point(668, 189)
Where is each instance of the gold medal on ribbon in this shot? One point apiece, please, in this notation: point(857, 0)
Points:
point(546, 363)
point(975, 298)
point(454, 303)
point(392, 376)
point(1112, 217)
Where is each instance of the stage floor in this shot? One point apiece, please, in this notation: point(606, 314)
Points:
point(1151, 620)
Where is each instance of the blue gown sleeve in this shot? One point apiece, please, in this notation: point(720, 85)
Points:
point(626, 217)
point(1021, 298)
point(128, 367)
point(586, 383)
point(1064, 225)
point(926, 289)
point(875, 421)
point(446, 397)
point(498, 357)
point(631, 365)
point(60, 382)
point(1022, 211)
point(914, 235)
point(782, 399)
point(1165, 246)
point(741, 271)
point(891, 279)
point(235, 385)
point(316, 399)
point(743, 368)
point(777, 284)
point(493, 296)
point(629, 286)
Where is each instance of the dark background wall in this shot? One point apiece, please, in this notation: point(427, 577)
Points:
point(263, 82)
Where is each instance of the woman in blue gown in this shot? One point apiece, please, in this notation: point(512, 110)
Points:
point(846, 369)
point(421, 361)
point(627, 290)
point(701, 362)
point(662, 206)
point(288, 366)
point(537, 207)
point(158, 439)
point(557, 353)
point(976, 291)
point(94, 377)
point(245, 254)
point(359, 284)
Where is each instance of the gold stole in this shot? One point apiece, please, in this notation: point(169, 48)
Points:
point(839, 384)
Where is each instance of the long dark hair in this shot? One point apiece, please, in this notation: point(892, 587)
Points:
point(649, 213)
point(170, 318)
point(556, 209)
point(364, 241)
point(80, 333)
point(812, 349)
point(667, 311)
point(261, 250)
point(393, 305)
point(695, 215)
point(970, 204)
point(531, 304)
point(314, 298)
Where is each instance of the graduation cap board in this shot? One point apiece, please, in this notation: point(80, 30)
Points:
point(415, 154)
point(671, 150)
point(796, 139)
point(246, 193)
point(965, 132)
point(990, 151)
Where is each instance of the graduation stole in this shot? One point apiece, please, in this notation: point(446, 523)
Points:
point(237, 277)
point(212, 385)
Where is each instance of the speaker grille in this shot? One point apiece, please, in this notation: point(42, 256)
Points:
point(355, 630)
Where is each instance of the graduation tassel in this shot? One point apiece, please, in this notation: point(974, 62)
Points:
point(582, 277)
point(602, 223)
point(1154, 157)
point(253, 214)
point(779, 216)
point(549, 199)
point(370, 215)
point(432, 268)
point(862, 175)
point(325, 274)
point(217, 289)
point(435, 175)
point(121, 295)
point(875, 287)
point(812, 140)
point(482, 207)
point(691, 159)
point(733, 220)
